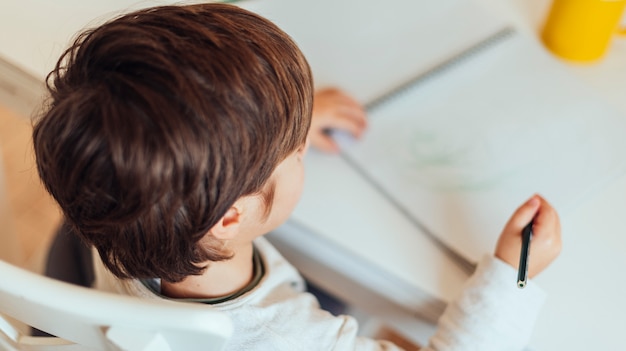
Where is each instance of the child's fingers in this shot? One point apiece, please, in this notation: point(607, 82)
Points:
point(353, 108)
point(546, 237)
point(546, 242)
point(323, 142)
point(346, 104)
point(349, 125)
point(335, 110)
point(546, 218)
point(525, 213)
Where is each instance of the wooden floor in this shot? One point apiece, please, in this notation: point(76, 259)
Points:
point(34, 213)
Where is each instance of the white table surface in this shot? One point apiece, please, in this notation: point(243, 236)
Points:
point(585, 308)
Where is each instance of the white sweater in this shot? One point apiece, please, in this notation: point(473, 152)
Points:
point(491, 314)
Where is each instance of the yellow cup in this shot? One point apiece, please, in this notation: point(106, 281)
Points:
point(581, 30)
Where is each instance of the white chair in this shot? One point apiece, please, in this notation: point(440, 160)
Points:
point(87, 319)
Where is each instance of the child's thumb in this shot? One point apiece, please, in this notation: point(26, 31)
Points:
point(525, 213)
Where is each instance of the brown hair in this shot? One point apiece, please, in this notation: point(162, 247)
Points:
point(159, 120)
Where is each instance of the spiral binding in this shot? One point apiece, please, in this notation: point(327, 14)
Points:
point(441, 67)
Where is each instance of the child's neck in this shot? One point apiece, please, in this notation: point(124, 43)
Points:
point(219, 279)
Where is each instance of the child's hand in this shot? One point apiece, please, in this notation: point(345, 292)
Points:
point(333, 109)
point(545, 244)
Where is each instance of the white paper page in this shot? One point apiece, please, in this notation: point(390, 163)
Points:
point(463, 151)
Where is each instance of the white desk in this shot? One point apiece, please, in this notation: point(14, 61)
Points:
point(585, 309)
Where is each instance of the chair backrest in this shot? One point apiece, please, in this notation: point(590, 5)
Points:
point(87, 319)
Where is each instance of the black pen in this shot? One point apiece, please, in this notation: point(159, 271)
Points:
point(522, 272)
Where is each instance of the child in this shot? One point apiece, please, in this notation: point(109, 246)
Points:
point(174, 140)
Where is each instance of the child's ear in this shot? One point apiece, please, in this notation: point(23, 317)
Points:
point(228, 226)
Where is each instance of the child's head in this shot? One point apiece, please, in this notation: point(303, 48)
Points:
point(160, 121)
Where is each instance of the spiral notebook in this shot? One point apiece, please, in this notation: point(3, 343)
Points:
point(467, 117)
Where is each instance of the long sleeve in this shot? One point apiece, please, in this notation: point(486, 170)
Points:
point(492, 313)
